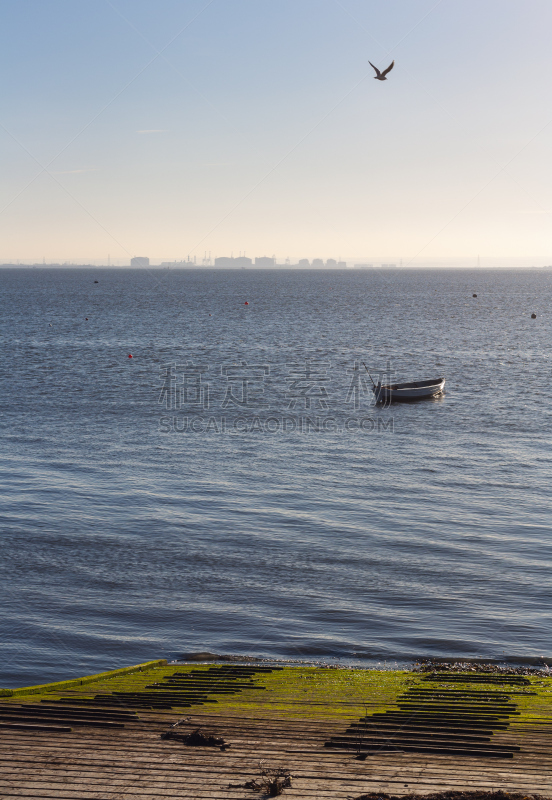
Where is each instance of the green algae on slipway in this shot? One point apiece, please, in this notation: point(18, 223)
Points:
point(271, 690)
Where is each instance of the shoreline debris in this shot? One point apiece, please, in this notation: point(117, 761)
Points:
point(197, 738)
point(434, 665)
point(272, 781)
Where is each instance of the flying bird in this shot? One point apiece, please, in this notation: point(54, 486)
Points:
point(380, 76)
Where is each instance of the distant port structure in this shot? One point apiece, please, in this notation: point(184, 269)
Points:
point(220, 262)
point(266, 262)
point(244, 262)
point(225, 262)
point(260, 262)
point(139, 261)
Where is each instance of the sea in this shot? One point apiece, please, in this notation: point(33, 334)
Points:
point(231, 488)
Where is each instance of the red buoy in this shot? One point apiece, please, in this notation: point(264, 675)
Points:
point(130, 355)
point(246, 303)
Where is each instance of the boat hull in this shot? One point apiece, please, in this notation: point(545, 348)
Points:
point(404, 392)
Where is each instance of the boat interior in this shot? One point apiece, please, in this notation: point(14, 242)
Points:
point(427, 382)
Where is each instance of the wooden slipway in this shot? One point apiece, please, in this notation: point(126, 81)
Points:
point(339, 732)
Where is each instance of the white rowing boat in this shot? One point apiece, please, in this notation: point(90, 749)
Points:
point(415, 390)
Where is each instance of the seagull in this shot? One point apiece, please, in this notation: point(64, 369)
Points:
point(380, 76)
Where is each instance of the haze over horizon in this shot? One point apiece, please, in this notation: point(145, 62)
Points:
point(354, 262)
point(131, 129)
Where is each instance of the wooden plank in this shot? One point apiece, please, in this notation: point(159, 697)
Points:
point(24, 726)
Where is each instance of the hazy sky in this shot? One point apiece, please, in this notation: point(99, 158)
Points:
point(134, 127)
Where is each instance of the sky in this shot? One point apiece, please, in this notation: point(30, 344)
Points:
point(184, 127)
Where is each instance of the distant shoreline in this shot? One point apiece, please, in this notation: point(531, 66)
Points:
point(277, 268)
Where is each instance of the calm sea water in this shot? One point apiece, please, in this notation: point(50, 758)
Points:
point(245, 522)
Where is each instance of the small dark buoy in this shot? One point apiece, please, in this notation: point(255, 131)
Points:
point(86, 319)
point(246, 303)
point(96, 281)
point(130, 355)
point(474, 295)
point(50, 325)
point(210, 315)
point(533, 316)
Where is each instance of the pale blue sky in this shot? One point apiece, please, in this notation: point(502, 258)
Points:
point(269, 133)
